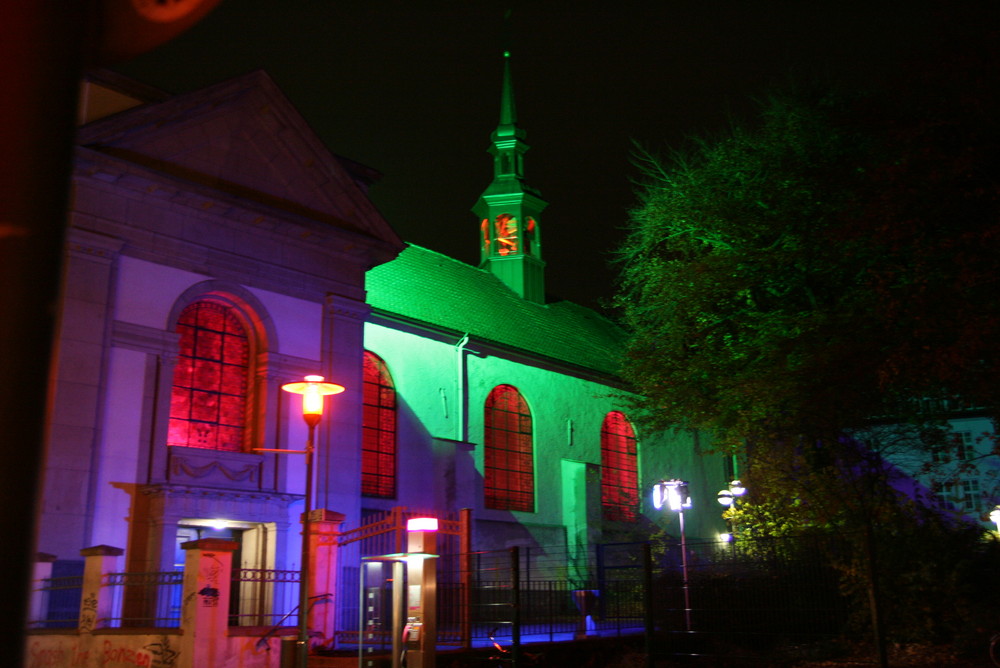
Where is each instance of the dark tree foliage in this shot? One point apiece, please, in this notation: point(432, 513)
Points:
point(824, 266)
point(802, 288)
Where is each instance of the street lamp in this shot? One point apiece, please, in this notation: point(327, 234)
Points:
point(729, 497)
point(312, 389)
point(674, 494)
point(995, 517)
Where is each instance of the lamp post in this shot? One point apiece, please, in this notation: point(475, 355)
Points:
point(995, 517)
point(674, 494)
point(312, 389)
point(728, 498)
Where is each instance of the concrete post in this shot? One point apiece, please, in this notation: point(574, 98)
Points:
point(96, 600)
point(324, 528)
point(205, 609)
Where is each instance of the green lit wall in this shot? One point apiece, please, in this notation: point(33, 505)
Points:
point(442, 387)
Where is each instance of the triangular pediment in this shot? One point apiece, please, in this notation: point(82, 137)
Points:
point(245, 138)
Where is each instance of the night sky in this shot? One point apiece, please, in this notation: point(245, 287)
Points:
point(412, 90)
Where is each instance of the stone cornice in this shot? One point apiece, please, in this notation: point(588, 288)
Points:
point(145, 339)
point(186, 491)
point(92, 244)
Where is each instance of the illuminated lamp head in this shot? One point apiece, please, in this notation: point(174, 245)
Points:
point(422, 524)
point(313, 389)
point(673, 494)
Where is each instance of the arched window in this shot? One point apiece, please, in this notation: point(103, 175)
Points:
point(209, 395)
point(378, 443)
point(509, 466)
point(619, 474)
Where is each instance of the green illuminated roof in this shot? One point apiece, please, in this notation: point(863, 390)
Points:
point(428, 287)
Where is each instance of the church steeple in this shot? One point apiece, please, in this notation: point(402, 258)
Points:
point(508, 210)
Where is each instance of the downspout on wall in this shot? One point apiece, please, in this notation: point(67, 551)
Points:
point(461, 374)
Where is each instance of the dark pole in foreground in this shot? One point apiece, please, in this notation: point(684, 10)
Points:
point(647, 601)
point(303, 643)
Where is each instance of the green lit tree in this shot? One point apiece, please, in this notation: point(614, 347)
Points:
point(802, 287)
point(825, 267)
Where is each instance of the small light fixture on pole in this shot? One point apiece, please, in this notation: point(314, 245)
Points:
point(995, 517)
point(313, 389)
point(728, 498)
point(674, 494)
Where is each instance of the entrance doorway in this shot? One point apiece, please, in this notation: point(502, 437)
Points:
point(259, 594)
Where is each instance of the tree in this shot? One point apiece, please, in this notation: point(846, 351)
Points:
point(825, 266)
point(732, 287)
point(802, 287)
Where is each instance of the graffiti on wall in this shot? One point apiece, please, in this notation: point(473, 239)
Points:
point(88, 612)
point(157, 654)
point(210, 573)
point(111, 653)
point(41, 655)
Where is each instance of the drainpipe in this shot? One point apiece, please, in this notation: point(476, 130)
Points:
point(460, 399)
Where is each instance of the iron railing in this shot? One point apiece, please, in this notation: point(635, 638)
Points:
point(145, 599)
point(264, 597)
point(57, 602)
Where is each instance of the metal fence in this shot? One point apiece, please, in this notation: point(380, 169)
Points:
point(262, 597)
point(150, 600)
point(57, 602)
point(724, 598)
point(748, 598)
point(551, 594)
point(734, 601)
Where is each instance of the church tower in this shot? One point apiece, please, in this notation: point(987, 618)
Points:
point(510, 231)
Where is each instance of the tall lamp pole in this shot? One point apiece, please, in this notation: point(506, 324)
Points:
point(674, 494)
point(312, 389)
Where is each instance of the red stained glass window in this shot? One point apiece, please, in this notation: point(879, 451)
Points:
point(619, 471)
point(378, 443)
point(208, 400)
point(509, 453)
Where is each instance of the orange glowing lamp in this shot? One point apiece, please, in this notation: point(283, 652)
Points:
point(312, 389)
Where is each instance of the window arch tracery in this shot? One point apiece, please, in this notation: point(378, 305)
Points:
point(619, 468)
point(508, 452)
point(378, 442)
point(210, 387)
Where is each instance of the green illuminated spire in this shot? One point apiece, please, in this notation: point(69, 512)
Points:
point(510, 234)
point(508, 111)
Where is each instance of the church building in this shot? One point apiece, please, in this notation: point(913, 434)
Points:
point(217, 250)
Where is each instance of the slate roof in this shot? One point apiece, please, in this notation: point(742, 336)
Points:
point(432, 288)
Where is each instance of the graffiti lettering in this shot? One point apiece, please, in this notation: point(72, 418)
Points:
point(163, 655)
point(40, 656)
point(125, 656)
point(88, 612)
